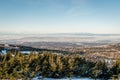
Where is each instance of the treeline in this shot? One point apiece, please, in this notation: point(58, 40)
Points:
point(17, 65)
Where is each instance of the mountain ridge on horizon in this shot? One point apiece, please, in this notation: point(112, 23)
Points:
point(72, 33)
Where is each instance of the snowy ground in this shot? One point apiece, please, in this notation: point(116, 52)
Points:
point(64, 79)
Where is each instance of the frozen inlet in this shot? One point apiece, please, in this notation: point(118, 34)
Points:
point(3, 51)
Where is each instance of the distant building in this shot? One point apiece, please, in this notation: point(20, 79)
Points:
point(6, 45)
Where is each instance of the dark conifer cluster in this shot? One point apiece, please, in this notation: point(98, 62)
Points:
point(51, 65)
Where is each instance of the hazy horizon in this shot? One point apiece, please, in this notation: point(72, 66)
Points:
point(72, 33)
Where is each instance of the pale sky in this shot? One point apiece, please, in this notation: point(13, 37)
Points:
point(60, 16)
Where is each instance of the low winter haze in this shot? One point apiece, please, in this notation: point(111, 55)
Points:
point(60, 16)
point(59, 39)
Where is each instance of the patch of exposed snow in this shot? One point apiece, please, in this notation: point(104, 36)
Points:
point(64, 79)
